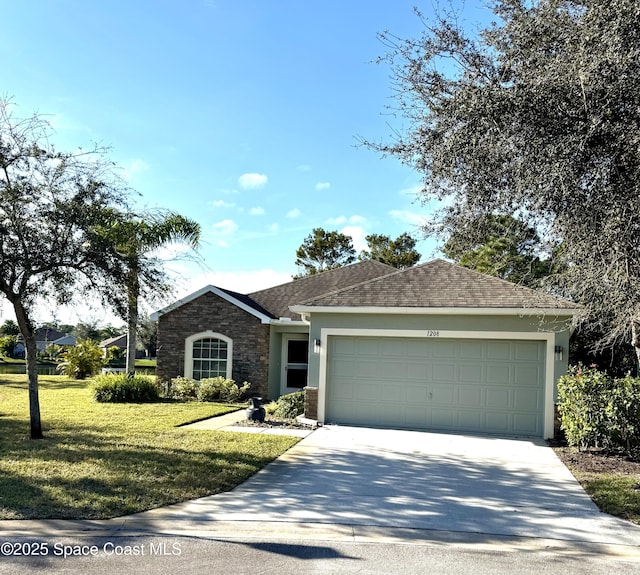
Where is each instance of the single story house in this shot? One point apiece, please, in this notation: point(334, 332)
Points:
point(435, 346)
point(45, 336)
point(119, 341)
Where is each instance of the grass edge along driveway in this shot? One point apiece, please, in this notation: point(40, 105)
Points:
point(99, 461)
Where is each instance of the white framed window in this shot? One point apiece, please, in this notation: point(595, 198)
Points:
point(208, 354)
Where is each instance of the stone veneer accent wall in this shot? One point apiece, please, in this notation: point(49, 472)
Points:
point(210, 312)
point(311, 402)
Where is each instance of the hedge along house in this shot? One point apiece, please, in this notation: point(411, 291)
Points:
point(435, 346)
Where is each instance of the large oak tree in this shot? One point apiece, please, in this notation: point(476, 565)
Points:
point(537, 116)
point(51, 203)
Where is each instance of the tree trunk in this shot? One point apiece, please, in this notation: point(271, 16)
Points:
point(133, 292)
point(635, 339)
point(31, 354)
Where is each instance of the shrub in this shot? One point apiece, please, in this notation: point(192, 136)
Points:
point(290, 405)
point(118, 388)
point(599, 411)
point(7, 345)
point(183, 388)
point(221, 389)
point(210, 389)
point(82, 360)
point(116, 354)
point(623, 415)
point(271, 407)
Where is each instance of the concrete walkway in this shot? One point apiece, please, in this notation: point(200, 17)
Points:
point(343, 483)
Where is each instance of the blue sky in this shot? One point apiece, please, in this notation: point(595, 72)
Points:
point(243, 115)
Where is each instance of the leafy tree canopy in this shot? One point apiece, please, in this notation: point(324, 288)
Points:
point(537, 116)
point(399, 253)
point(322, 251)
point(501, 246)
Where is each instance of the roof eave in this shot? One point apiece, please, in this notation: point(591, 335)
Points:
point(529, 311)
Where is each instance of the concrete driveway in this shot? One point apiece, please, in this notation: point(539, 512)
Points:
point(348, 478)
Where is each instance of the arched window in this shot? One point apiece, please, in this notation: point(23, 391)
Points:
point(208, 354)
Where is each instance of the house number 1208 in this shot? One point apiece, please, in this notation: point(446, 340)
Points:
point(433, 333)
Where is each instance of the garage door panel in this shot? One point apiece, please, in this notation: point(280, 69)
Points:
point(443, 419)
point(470, 420)
point(497, 422)
point(498, 397)
point(470, 395)
point(470, 373)
point(528, 351)
point(443, 394)
point(442, 349)
point(527, 376)
point(343, 368)
point(443, 371)
point(525, 424)
point(525, 398)
point(366, 391)
point(392, 369)
point(472, 349)
point(490, 386)
point(368, 346)
point(499, 350)
point(394, 393)
point(417, 416)
point(417, 393)
point(417, 371)
point(499, 374)
point(343, 391)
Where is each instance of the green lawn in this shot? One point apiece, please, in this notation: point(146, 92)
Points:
point(613, 493)
point(106, 460)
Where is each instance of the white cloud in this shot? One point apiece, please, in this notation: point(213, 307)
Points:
point(273, 228)
point(408, 217)
point(294, 213)
point(252, 181)
point(257, 211)
point(413, 191)
point(171, 251)
point(304, 168)
point(337, 221)
point(343, 220)
point(358, 235)
point(222, 204)
point(224, 228)
point(134, 167)
point(323, 186)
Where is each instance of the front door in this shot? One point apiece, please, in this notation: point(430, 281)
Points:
point(295, 362)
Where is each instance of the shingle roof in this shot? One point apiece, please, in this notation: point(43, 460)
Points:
point(439, 284)
point(249, 302)
point(278, 299)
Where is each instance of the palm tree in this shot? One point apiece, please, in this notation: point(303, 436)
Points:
point(134, 239)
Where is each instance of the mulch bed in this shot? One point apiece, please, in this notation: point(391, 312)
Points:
point(274, 422)
point(595, 460)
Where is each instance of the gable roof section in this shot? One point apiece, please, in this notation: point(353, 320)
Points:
point(278, 299)
point(242, 301)
point(437, 284)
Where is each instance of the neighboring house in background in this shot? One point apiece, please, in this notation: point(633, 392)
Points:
point(119, 341)
point(434, 346)
point(45, 336)
point(66, 340)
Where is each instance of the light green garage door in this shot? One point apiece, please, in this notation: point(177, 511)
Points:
point(441, 384)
